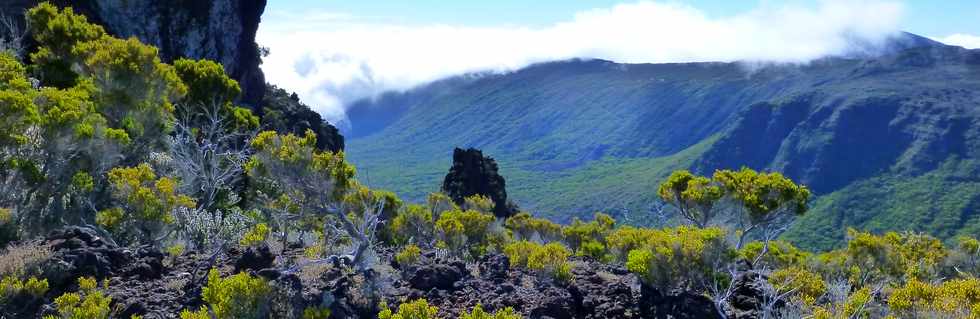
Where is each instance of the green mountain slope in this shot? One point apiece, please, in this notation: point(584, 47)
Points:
point(575, 137)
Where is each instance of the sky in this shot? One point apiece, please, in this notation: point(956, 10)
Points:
point(333, 52)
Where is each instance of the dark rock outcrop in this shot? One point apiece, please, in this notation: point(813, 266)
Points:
point(474, 174)
point(282, 111)
point(255, 258)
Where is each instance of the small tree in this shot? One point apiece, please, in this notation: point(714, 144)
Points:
point(768, 202)
point(298, 184)
point(693, 196)
point(760, 204)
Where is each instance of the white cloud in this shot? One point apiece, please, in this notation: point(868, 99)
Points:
point(964, 40)
point(331, 59)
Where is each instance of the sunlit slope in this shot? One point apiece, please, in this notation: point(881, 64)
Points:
point(579, 136)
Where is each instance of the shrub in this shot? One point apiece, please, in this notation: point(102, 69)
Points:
point(958, 298)
point(579, 233)
point(237, 296)
point(800, 282)
point(465, 233)
point(526, 227)
point(778, 254)
point(479, 203)
point(414, 225)
point(23, 259)
point(11, 286)
point(316, 313)
point(408, 255)
point(256, 235)
point(893, 256)
point(479, 313)
point(682, 257)
point(418, 309)
point(147, 203)
point(550, 259)
point(88, 303)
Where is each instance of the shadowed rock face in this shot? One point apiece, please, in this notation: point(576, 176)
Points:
point(474, 174)
point(219, 30)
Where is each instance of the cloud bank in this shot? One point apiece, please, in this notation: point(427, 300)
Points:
point(963, 40)
point(331, 59)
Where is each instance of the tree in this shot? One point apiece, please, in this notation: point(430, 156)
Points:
point(694, 196)
point(759, 204)
point(768, 202)
point(300, 185)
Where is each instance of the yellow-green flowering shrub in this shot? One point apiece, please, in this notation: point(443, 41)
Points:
point(778, 254)
point(418, 309)
point(238, 296)
point(88, 303)
point(551, 259)
point(682, 257)
point(479, 203)
point(594, 232)
point(479, 313)
point(408, 255)
point(805, 285)
point(12, 286)
point(146, 202)
point(957, 298)
point(316, 313)
point(525, 227)
point(465, 233)
point(255, 235)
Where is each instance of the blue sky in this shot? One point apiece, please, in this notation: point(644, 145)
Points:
point(333, 52)
point(933, 18)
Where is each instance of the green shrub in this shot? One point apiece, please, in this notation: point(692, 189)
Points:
point(683, 257)
point(11, 286)
point(88, 303)
point(256, 235)
point(408, 255)
point(550, 259)
point(595, 231)
point(414, 224)
point(316, 313)
point(778, 254)
point(465, 233)
point(418, 309)
point(525, 227)
point(479, 313)
point(238, 296)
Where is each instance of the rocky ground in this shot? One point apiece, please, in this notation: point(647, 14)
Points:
point(148, 282)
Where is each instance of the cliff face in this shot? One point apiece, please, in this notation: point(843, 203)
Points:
point(219, 30)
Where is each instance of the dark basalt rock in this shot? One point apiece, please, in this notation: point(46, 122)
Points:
point(748, 296)
point(255, 258)
point(426, 276)
point(474, 174)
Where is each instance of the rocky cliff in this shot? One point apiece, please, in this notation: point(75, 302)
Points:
point(219, 30)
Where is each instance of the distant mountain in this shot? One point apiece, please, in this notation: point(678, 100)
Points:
point(887, 141)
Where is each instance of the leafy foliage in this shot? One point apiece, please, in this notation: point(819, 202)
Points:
point(88, 303)
point(418, 309)
point(683, 257)
point(479, 313)
point(237, 296)
point(146, 202)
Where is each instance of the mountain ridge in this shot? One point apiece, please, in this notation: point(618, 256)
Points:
point(830, 123)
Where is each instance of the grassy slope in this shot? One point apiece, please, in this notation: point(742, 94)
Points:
point(943, 202)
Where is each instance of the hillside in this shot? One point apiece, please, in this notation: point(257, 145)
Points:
point(876, 138)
